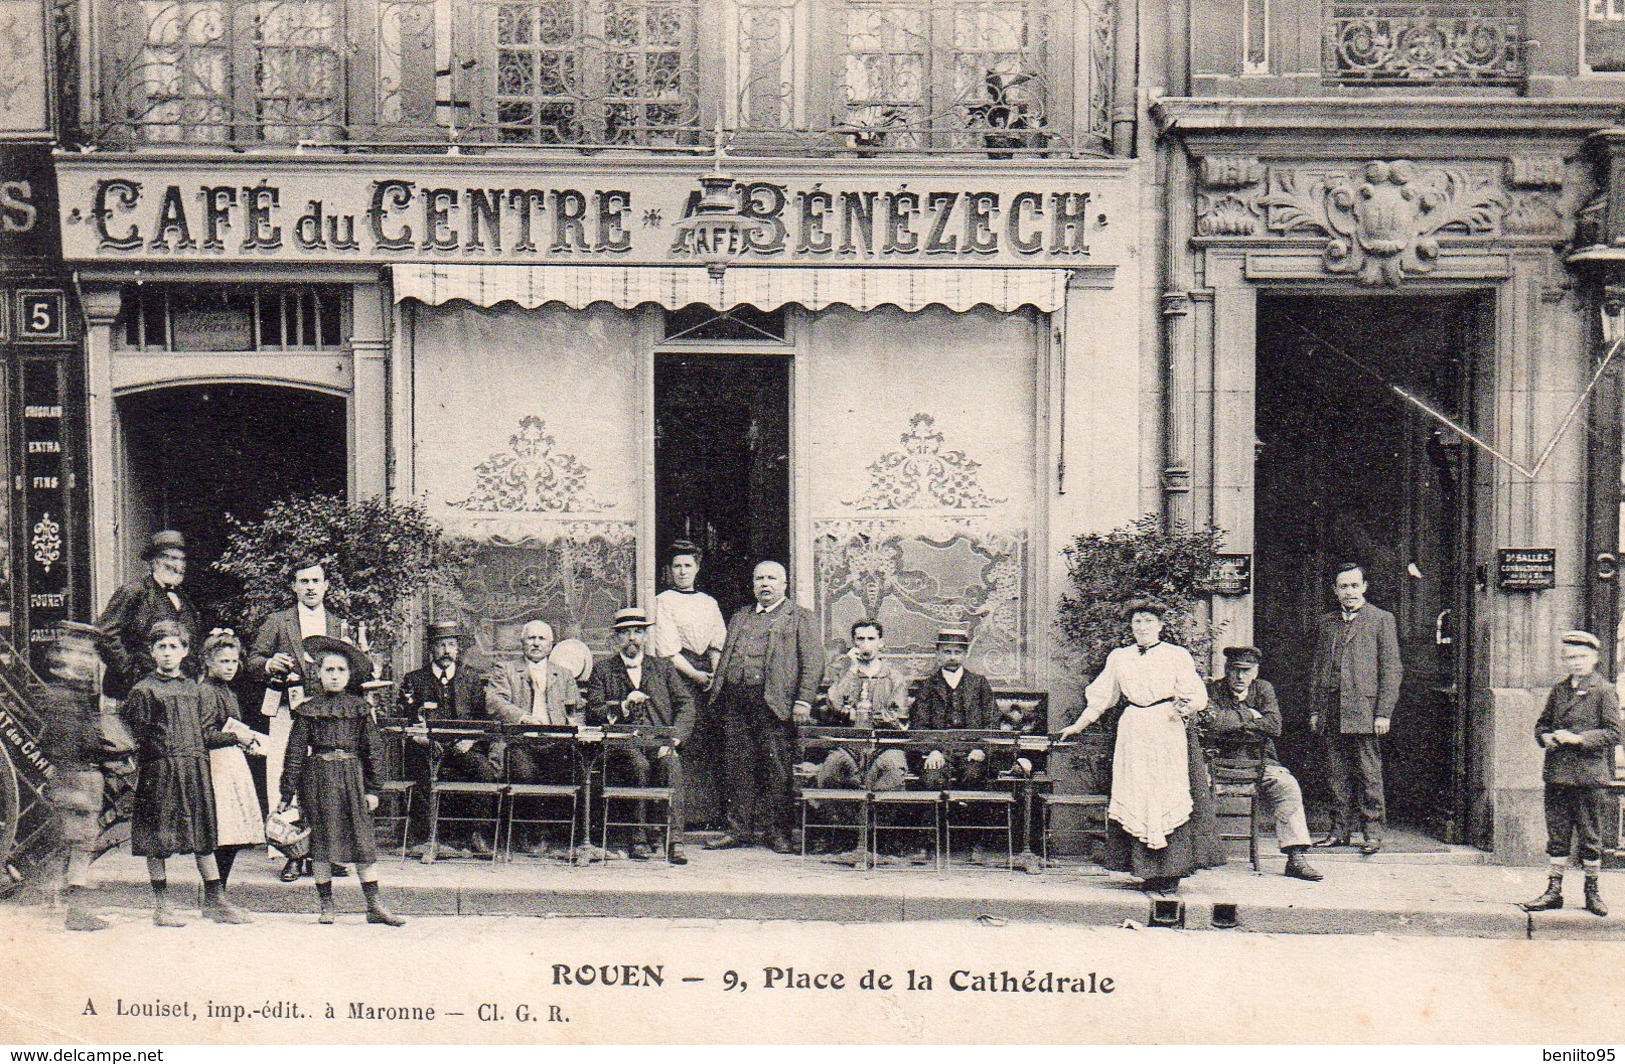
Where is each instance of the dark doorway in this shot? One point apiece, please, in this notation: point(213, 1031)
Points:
point(196, 453)
point(1349, 470)
point(722, 464)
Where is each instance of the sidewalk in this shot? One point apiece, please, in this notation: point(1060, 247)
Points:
point(1452, 893)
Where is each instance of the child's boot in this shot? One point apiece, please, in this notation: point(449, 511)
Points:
point(162, 914)
point(1552, 899)
point(79, 917)
point(376, 912)
point(1594, 897)
point(216, 906)
point(324, 893)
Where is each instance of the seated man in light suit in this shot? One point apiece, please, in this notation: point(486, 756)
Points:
point(534, 690)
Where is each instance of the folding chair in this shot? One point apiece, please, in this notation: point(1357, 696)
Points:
point(533, 804)
point(852, 800)
point(475, 793)
point(395, 796)
point(649, 742)
point(979, 804)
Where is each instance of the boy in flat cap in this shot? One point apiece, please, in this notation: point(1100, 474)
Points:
point(1241, 708)
point(1578, 730)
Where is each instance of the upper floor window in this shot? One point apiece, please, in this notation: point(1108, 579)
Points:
point(224, 70)
point(1604, 36)
point(1423, 42)
point(992, 77)
point(589, 71)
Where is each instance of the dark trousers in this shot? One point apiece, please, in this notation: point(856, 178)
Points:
point(636, 768)
point(1574, 811)
point(1351, 757)
point(472, 767)
point(759, 750)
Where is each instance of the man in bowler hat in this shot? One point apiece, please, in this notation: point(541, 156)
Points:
point(143, 602)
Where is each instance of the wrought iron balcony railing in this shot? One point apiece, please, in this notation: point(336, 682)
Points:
point(996, 78)
point(1425, 42)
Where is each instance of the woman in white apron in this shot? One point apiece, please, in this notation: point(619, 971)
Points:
point(1159, 825)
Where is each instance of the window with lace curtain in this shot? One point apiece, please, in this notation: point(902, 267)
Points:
point(224, 71)
point(588, 71)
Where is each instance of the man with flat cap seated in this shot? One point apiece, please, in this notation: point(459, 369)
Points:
point(442, 692)
point(644, 690)
point(534, 690)
point(1242, 709)
point(138, 605)
point(955, 699)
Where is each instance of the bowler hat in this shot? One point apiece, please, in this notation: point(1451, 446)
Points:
point(1243, 655)
point(631, 617)
point(167, 540)
point(360, 665)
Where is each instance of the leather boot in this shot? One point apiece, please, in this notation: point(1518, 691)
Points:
point(78, 917)
point(1297, 867)
point(218, 908)
point(324, 894)
point(162, 914)
point(1552, 899)
point(376, 913)
point(1594, 898)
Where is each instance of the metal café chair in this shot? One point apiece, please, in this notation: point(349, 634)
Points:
point(442, 734)
point(532, 805)
point(966, 811)
point(637, 797)
point(395, 794)
point(890, 812)
point(853, 801)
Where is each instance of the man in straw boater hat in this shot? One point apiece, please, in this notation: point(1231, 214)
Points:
point(1242, 709)
point(644, 689)
point(441, 692)
point(155, 596)
point(951, 698)
point(1578, 729)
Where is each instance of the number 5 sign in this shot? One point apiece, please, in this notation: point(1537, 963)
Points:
point(40, 315)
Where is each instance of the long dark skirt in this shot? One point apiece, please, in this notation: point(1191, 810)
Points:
point(1192, 845)
point(174, 807)
point(702, 762)
point(334, 805)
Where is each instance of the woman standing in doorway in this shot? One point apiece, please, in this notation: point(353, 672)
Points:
point(689, 632)
point(1160, 823)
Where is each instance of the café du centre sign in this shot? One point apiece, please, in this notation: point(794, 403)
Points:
point(480, 212)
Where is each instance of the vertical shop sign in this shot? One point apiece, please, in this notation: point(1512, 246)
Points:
point(46, 490)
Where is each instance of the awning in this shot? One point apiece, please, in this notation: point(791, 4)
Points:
point(765, 288)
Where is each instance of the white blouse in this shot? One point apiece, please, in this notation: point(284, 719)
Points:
point(687, 621)
point(1162, 672)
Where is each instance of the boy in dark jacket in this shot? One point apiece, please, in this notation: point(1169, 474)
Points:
point(1578, 730)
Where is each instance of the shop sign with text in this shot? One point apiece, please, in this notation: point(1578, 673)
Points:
point(476, 215)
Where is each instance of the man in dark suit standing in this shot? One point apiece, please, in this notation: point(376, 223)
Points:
point(278, 661)
point(443, 692)
point(1354, 686)
point(764, 686)
point(644, 690)
point(141, 603)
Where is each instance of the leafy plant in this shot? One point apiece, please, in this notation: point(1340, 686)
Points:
point(379, 557)
point(1142, 560)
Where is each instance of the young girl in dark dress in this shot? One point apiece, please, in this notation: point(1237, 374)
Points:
point(174, 728)
point(334, 762)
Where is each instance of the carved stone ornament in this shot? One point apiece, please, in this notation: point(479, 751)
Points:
point(1383, 223)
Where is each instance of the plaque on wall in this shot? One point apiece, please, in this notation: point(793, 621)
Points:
point(1232, 575)
point(1526, 569)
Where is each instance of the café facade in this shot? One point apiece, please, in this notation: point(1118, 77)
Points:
point(912, 379)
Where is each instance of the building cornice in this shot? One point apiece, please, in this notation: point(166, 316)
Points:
point(1383, 116)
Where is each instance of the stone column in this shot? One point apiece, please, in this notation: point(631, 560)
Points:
point(369, 396)
point(107, 546)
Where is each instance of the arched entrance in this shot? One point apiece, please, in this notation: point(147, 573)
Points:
point(191, 454)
